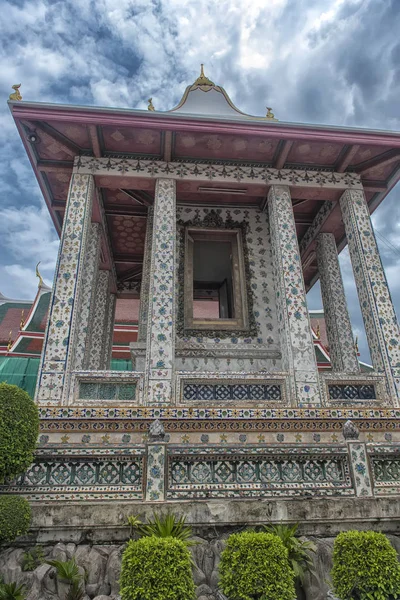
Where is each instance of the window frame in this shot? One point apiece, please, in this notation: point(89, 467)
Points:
point(241, 320)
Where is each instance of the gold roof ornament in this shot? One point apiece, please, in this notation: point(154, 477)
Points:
point(10, 342)
point(150, 106)
point(22, 322)
point(38, 275)
point(318, 332)
point(356, 346)
point(16, 95)
point(270, 115)
point(202, 81)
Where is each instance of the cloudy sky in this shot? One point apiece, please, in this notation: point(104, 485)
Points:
point(314, 61)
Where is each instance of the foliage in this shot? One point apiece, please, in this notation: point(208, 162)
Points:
point(365, 567)
point(68, 572)
point(15, 517)
point(156, 568)
point(255, 566)
point(32, 558)
point(168, 526)
point(12, 591)
point(299, 551)
point(19, 427)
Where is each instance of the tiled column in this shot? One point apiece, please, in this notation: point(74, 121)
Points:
point(340, 335)
point(89, 281)
point(65, 305)
point(145, 284)
point(160, 343)
point(99, 322)
point(108, 332)
point(298, 355)
point(381, 325)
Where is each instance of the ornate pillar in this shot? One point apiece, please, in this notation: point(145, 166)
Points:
point(298, 355)
point(381, 325)
point(160, 342)
point(340, 335)
point(108, 332)
point(89, 281)
point(145, 284)
point(66, 300)
point(99, 322)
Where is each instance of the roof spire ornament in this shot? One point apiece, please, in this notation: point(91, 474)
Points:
point(318, 332)
point(10, 342)
point(22, 322)
point(270, 115)
point(150, 106)
point(38, 275)
point(16, 95)
point(202, 81)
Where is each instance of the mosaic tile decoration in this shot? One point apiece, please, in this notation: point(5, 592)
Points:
point(155, 472)
point(105, 387)
point(360, 469)
point(298, 355)
point(385, 467)
point(70, 475)
point(340, 334)
point(257, 472)
point(352, 392)
point(107, 391)
point(236, 391)
point(65, 303)
point(381, 325)
point(99, 321)
point(160, 351)
point(235, 173)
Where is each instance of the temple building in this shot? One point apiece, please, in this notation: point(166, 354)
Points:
point(178, 358)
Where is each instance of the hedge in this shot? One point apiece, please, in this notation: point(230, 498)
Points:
point(19, 427)
point(365, 567)
point(254, 566)
point(156, 568)
point(15, 517)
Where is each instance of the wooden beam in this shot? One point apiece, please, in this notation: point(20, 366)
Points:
point(167, 152)
point(66, 144)
point(137, 196)
point(382, 160)
point(370, 185)
point(344, 161)
point(55, 166)
point(95, 140)
point(303, 219)
point(133, 259)
point(130, 273)
point(126, 211)
point(283, 152)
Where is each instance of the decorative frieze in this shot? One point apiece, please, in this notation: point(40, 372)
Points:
point(106, 388)
point(297, 347)
point(381, 325)
point(66, 300)
point(98, 326)
point(340, 335)
point(223, 173)
point(160, 349)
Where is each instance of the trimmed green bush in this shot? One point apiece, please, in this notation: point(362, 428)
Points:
point(255, 566)
point(365, 567)
point(15, 517)
point(156, 568)
point(19, 427)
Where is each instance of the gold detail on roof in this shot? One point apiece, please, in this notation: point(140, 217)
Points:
point(356, 346)
point(202, 81)
point(10, 342)
point(22, 322)
point(39, 275)
point(318, 332)
point(270, 115)
point(16, 95)
point(150, 106)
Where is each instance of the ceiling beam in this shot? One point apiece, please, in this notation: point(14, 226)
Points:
point(130, 273)
point(344, 161)
point(167, 151)
point(126, 211)
point(283, 152)
point(138, 197)
point(55, 166)
point(66, 144)
point(303, 219)
point(95, 140)
point(133, 259)
point(384, 159)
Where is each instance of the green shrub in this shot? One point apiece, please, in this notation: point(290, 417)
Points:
point(365, 567)
point(15, 517)
point(255, 566)
point(31, 559)
point(19, 427)
point(155, 568)
point(168, 526)
point(299, 551)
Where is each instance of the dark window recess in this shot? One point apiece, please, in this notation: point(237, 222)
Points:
point(212, 280)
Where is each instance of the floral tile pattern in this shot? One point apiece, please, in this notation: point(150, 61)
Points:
point(381, 325)
point(360, 469)
point(340, 334)
point(99, 320)
point(298, 356)
point(160, 351)
point(155, 472)
point(65, 304)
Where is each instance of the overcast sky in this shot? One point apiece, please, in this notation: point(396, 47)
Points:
point(314, 61)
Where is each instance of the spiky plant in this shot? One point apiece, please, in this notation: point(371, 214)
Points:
point(12, 591)
point(68, 572)
point(299, 551)
point(162, 527)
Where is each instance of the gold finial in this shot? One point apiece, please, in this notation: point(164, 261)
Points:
point(16, 95)
point(318, 332)
point(10, 343)
point(202, 80)
point(270, 115)
point(356, 346)
point(150, 106)
point(22, 322)
point(39, 275)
